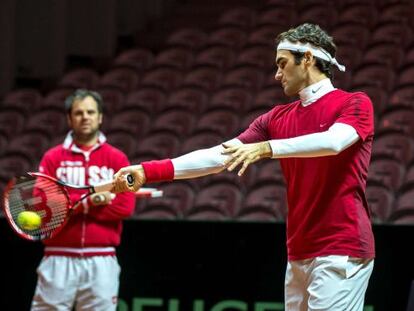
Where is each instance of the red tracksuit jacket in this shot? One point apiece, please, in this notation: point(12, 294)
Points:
point(89, 226)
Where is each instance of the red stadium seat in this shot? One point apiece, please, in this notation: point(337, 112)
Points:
point(122, 79)
point(123, 140)
point(358, 12)
point(404, 205)
point(162, 144)
point(351, 33)
point(374, 74)
point(265, 35)
point(177, 121)
point(409, 176)
point(243, 17)
point(222, 121)
point(150, 99)
point(177, 199)
point(25, 99)
point(12, 121)
point(235, 98)
point(241, 182)
point(206, 77)
point(385, 53)
point(56, 98)
point(166, 78)
point(133, 121)
point(3, 143)
point(140, 59)
point(402, 96)
point(406, 76)
point(190, 37)
point(201, 140)
point(408, 56)
point(395, 145)
point(399, 11)
point(51, 122)
point(216, 202)
point(178, 57)
point(234, 37)
point(85, 78)
point(284, 14)
point(113, 100)
point(248, 77)
point(191, 98)
point(270, 171)
point(269, 97)
point(265, 203)
point(14, 164)
point(380, 201)
point(348, 55)
point(324, 15)
point(260, 56)
point(394, 32)
point(218, 56)
point(400, 119)
point(386, 171)
point(32, 144)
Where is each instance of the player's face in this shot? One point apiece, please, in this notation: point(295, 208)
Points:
point(85, 119)
point(292, 76)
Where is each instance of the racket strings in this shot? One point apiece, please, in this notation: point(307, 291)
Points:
point(42, 196)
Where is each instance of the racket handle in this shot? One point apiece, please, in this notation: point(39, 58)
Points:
point(130, 180)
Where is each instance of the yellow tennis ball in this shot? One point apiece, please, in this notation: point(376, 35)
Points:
point(29, 220)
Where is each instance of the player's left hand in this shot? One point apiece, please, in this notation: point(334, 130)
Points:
point(245, 154)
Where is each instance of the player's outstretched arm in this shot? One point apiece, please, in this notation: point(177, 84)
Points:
point(198, 163)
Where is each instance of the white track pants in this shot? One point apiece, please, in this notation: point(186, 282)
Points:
point(328, 283)
point(89, 283)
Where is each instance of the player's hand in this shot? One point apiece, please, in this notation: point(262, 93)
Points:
point(102, 198)
point(121, 184)
point(245, 154)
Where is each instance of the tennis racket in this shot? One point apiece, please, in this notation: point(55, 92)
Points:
point(48, 198)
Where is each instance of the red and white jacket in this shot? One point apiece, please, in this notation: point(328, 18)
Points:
point(91, 230)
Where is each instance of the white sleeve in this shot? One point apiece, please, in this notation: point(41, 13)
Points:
point(201, 162)
point(331, 142)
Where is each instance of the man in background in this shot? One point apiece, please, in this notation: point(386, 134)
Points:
point(79, 268)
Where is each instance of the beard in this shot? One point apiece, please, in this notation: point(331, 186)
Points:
point(85, 136)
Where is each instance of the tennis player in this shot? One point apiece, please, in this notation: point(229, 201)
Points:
point(323, 141)
point(79, 269)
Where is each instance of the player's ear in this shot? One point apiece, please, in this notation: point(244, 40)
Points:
point(100, 118)
point(308, 57)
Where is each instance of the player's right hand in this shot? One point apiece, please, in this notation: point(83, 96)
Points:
point(120, 183)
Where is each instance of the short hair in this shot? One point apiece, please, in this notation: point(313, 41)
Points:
point(81, 94)
point(313, 34)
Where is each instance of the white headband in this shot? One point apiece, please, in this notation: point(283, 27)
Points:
point(316, 51)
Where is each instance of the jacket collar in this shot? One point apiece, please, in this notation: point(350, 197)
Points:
point(69, 143)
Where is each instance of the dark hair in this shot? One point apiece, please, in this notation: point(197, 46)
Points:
point(80, 94)
point(313, 34)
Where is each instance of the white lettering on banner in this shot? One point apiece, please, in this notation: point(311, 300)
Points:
point(75, 175)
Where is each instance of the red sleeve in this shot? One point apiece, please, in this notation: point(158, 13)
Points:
point(358, 112)
point(124, 203)
point(257, 130)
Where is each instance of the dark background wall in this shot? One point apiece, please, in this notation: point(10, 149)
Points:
point(178, 263)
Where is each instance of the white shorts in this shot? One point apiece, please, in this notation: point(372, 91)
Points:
point(88, 283)
point(328, 283)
